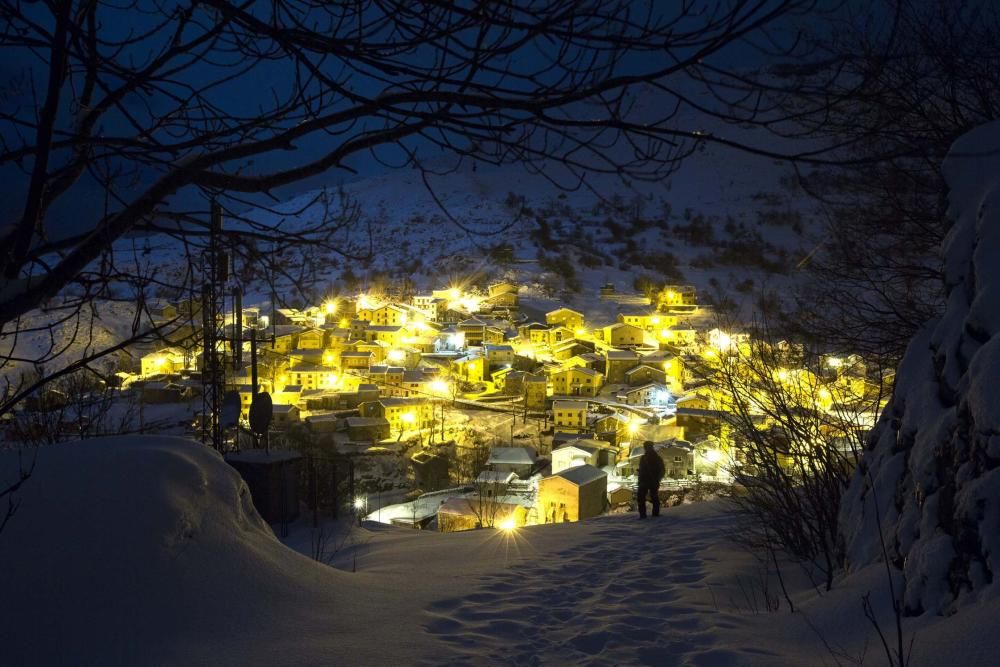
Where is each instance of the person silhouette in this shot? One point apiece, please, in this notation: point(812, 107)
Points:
point(651, 471)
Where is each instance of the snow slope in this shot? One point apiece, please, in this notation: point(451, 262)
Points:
point(931, 472)
point(146, 551)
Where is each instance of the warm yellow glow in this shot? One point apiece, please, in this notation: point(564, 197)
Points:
point(783, 375)
point(633, 426)
point(720, 340)
point(330, 307)
point(454, 293)
point(824, 394)
point(655, 320)
point(159, 362)
point(507, 524)
point(397, 355)
point(581, 331)
point(408, 417)
point(712, 455)
point(359, 503)
point(328, 357)
point(664, 333)
point(344, 323)
point(834, 362)
point(666, 365)
point(365, 302)
point(671, 294)
point(282, 379)
point(439, 387)
point(403, 318)
point(470, 303)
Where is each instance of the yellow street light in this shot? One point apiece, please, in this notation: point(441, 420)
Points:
point(507, 524)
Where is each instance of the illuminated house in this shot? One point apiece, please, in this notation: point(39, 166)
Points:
point(498, 355)
point(520, 461)
point(570, 415)
point(433, 307)
point(313, 376)
point(535, 393)
point(286, 337)
point(565, 317)
point(503, 294)
point(311, 339)
point(539, 335)
point(644, 374)
point(677, 336)
point(391, 335)
point(576, 381)
point(557, 335)
point(167, 360)
point(677, 295)
point(403, 414)
point(649, 395)
point(617, 363)
point(355, 360)
point(573, 494)
point(650, 322)
point(597, 453)
point(622, 334)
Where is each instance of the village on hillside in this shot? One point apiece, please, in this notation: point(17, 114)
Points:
point(462, 408)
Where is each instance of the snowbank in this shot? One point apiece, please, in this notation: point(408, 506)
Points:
point(136, 551)
point(149, 551)
point(931, 466)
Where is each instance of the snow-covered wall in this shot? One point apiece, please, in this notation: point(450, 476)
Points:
point(931, 470)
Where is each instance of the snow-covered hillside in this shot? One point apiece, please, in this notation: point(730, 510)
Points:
point(147, 551)
point(932, 469)
point(729, 223)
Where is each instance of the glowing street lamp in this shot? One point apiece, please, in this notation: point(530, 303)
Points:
point(438, 387)
point(330, 307)
point(396, 355)
point(507, 525)
point(409, 418)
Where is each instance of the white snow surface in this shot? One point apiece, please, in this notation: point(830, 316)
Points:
point(934, 454)
point(146, 550)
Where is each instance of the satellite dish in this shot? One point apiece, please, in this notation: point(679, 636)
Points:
point(230, 409)
point(261, 410)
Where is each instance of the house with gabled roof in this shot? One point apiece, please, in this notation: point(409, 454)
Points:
point(576, 381)
point(569, 415)
point(518, 460)
point(620, 334)
point(565, 317)
point(573, 494)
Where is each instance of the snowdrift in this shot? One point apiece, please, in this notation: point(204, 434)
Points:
point(149, 551)
point(931, 473)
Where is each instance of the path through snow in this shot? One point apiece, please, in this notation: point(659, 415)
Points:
point(636, 592)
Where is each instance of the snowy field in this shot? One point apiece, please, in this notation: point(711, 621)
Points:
point(148, 551)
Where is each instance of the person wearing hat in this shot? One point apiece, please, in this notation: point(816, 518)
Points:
point(651, 471)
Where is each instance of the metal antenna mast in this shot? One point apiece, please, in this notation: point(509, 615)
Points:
point(216, 269)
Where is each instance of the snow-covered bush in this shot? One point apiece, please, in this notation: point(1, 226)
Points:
point(929, 484)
